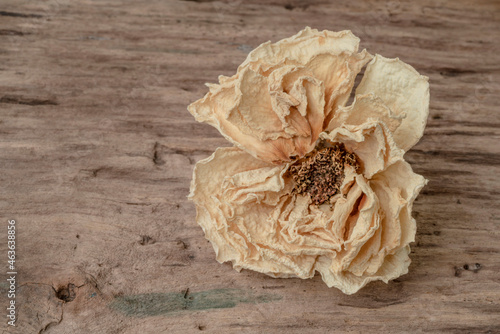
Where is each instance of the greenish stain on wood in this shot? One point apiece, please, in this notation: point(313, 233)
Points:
point(4, 286)
point(152, 304)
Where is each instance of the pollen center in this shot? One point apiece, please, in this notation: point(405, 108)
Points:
point(321, 173)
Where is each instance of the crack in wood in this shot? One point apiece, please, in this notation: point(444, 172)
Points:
point(156, 157)
point(14, 14)
point(10, 32)
point(14, 99)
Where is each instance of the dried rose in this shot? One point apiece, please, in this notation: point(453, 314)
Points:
point(311, 184)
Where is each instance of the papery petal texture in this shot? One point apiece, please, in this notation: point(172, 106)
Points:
point(285, 105)
point(404, 91)
point(284, 94)
point(252, 218)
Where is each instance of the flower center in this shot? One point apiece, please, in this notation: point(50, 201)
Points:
point(321, 173)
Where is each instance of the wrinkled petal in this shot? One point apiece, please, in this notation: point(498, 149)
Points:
point(379, 250)
point(356, 220)
point(282, 99)
point(255, 119)
point(394, 266)
point(396, 188)
point(250, 215)
point(365, 108)
point(284, 94)
point(303, 229)
point(301, 48)
point(372, 142)
point(404, 91)
point(338, 74)
point(235, 194)
point(401, 187)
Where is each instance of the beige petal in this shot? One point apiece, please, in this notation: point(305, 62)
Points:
point(212, 213)
point(372, 142)
point(301, 48)
point(253, 113)
point(246, 210)
point(282, 96)
point(298, 100)
point(235, 195)
point(303, 230)
point(404, 91)
point(365, 108)
point(383, 254)
point(249, 116)
point(338, 73)
point(332, 57)
point(394, 266)
point(214, 109)
point(396, 188)
point(358, 218)
point(402, 185)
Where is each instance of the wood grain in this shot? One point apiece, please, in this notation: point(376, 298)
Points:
point(97, 150)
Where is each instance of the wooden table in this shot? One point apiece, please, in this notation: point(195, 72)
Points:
point(97, 151)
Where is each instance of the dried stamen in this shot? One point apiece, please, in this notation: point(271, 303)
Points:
point(321, 173)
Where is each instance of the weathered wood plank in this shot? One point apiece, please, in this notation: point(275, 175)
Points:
point(97, 151)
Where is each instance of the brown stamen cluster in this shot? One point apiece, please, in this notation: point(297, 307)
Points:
point(321, 173)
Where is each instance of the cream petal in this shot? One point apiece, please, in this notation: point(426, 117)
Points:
point(332, 57)
point(312, 106)
point(365, 108)
point(359, 222)
point(261, 185)
point(303, 229)
point(372, 142)
point(301, 48)
point(253, 113)
point(384, 255)
point(338, 73)
point(266, 133)
point(402, 185)
point(212, 108)
point(281, 97)
point(267, 230)
point(207, 193)
point(394, 266)
point(367, 256)
point(404, 91)
point(388, 226)
point(343, 208)
point(235, 196)
point(298, 100)
point(389, 235)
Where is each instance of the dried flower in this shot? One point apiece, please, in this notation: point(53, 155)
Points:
point(311, 184)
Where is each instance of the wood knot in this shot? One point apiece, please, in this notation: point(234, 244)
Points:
point(66, 293)
point(146, 240)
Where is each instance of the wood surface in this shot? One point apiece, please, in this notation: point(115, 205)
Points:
point(97, 151)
